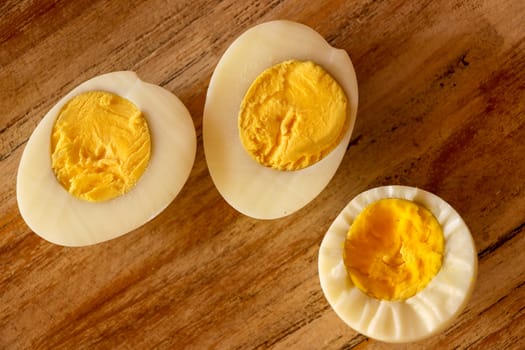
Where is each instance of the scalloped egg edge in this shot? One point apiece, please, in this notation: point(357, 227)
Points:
point(383, 320)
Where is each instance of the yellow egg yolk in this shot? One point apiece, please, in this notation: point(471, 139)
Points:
point(292, 116)
point(100, 146)
point(393, 249)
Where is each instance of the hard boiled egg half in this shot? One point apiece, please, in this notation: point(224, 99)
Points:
point(278, 117)
point(398, 264)
point(107, 158)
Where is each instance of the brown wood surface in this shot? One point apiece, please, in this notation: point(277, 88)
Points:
point(442, 107)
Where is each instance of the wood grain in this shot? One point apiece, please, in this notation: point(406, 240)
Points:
point(442, 107)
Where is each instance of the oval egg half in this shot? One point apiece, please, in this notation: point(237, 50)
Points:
point(251, 188)
point(61, 218)
point(427, 312)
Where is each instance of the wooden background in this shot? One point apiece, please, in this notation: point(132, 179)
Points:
point(442, 107)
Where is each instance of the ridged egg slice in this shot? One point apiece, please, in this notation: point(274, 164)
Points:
point(98, 214)
point(425, 313)
point(250, 187)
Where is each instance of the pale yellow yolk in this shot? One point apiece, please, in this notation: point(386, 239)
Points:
point(100, 146)
point(393, 249)
point(292, 116)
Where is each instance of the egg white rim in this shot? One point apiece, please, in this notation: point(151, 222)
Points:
point(79, 222)
point(286, 191)
point(367, 315)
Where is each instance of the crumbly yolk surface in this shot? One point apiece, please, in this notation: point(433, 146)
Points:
point(292, 116)
point(100, 146)
point(393, 249)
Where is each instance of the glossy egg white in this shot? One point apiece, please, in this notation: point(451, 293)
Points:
point(427, 312)
point(252, 189)
point(59, 217)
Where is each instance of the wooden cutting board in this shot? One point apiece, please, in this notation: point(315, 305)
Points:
point(442, 107)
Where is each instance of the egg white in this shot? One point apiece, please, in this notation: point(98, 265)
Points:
point(59, 217)
point(252, 189)
point(426, 313)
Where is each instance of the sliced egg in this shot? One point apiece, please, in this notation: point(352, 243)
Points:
point(63, 218)
point(426, 312)
point(250, 187)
